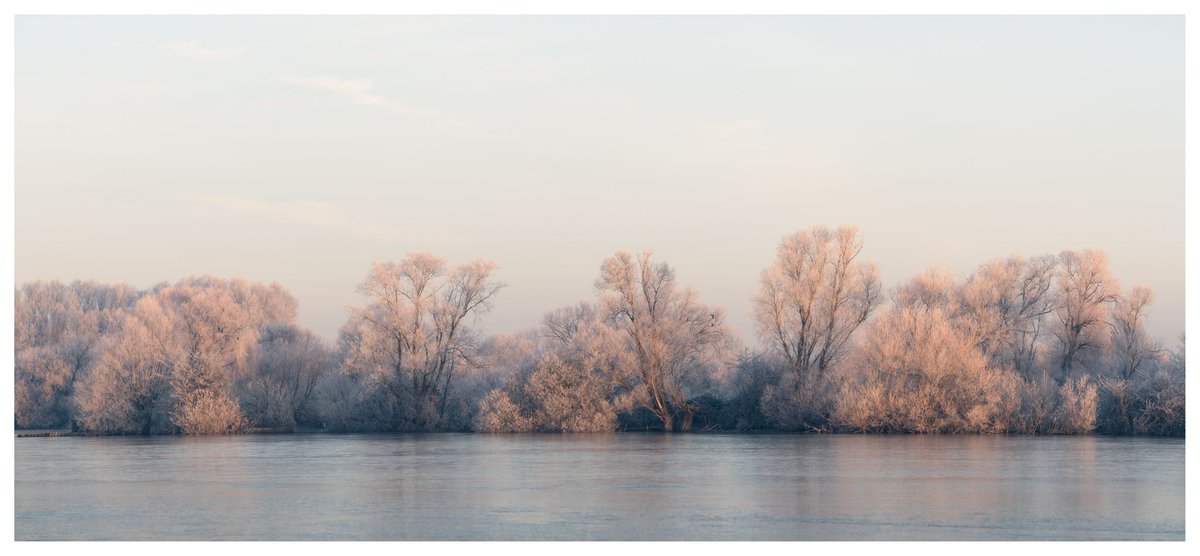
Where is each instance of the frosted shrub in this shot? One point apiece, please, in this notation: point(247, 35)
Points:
point(1077, 406)
point(555, 397)
point(498, 413)
point(1160, 406)
point(1039, 398)
point(917, 373)
point(570, 399)
point(210, 413)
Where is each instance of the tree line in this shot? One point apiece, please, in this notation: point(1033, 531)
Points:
point(1040, 345)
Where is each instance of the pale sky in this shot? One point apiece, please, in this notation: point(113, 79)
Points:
point(300, 149)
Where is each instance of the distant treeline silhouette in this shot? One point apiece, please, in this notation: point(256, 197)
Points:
point(1041, 345)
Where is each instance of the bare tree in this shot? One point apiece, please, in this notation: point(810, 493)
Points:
point(669, 337)
point(412, 337)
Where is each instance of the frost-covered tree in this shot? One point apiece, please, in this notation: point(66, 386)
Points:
point(1085, 289)
point(216, 336)
point(1004, 306)
point(280, 389)
point(670, 339)
point(932, 289)
point(808, 307)
point(814, 297)
point(129, 391)
point(200, 334)
point(1133, 355)
point(1132, 348)
point(412, 337)
point(59, 330)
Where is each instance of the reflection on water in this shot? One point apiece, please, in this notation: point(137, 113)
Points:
point(599, 487)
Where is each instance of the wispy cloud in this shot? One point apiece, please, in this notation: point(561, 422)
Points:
point(357, 91)
point(309, 213)
point(192, 50)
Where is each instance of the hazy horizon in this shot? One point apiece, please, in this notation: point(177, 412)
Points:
point(298, 150)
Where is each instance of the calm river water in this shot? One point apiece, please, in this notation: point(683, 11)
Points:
point(599, 487)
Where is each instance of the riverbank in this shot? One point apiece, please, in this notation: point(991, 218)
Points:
point(68, 433)
point(63, 433)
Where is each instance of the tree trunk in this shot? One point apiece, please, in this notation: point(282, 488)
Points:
point(685, 422)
